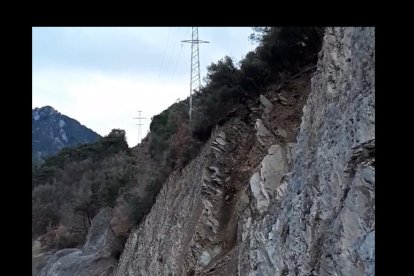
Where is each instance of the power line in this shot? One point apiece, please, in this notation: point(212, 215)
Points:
point(170, 63)
point(164, 53)
point(195, 63)
point(178, 62)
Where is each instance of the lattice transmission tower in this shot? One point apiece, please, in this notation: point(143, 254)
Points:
point(139, 125)
point(195, 64)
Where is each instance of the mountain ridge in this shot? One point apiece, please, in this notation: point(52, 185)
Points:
point(52, 131)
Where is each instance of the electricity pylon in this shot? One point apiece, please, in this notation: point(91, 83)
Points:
point(195, 63)
point(139, 124)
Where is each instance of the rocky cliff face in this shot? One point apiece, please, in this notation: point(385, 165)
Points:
point(321, 220)
point(274, 192)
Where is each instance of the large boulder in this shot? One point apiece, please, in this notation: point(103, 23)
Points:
point(99, 255)
point(265, 183)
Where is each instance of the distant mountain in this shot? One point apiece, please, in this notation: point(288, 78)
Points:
point(52, 131)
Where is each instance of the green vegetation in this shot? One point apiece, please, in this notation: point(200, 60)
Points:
point(70, 187)
point(281, 51)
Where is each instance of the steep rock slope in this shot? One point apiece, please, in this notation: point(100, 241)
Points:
point(256, 202)
point(323, 220)
point(51, 131)
point(193, 226)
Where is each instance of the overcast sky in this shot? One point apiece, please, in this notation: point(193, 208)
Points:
point(103, 76)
